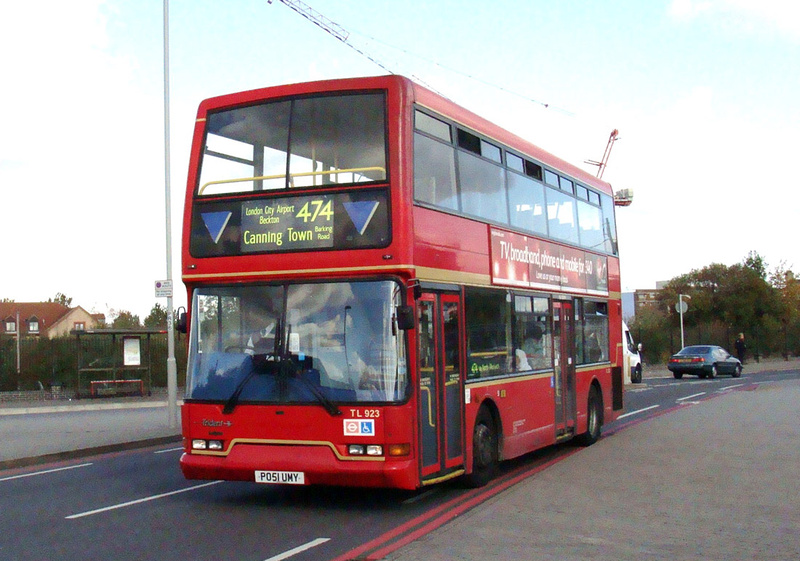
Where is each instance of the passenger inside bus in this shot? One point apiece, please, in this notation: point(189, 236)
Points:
point(522, 360)
point(594, 352)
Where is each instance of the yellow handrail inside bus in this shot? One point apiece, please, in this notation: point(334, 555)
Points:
point(291, 176)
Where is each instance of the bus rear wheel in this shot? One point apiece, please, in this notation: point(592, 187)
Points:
point(594, 419)
point(484, 450)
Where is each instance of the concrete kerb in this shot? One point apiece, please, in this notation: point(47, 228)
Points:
point(34, 407)
point(85, 452)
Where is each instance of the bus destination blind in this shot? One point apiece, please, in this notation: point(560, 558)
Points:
point(294, 223)
point(287, 224)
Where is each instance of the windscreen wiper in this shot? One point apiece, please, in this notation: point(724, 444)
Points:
point(234, 398)
point(329, 406)
point(286, 360)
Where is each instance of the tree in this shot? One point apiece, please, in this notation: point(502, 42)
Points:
point(756, 263)
point(727, 300)
point(748, 297)
point(651, 328)
point(126, 320)
point(157, 318)
point(785, 282)
point(704, 287)
point(61, 298)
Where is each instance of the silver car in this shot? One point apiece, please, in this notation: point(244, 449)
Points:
point(706, 361)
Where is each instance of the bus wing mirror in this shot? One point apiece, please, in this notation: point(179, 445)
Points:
point(405, 317)
point(181, 325)
point(639, 347)
point(416, 287)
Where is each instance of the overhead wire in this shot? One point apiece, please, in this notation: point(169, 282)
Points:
point(338, 32)
point(467, 75)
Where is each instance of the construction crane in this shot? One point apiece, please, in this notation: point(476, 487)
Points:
point(623, 197)
point(601, 165)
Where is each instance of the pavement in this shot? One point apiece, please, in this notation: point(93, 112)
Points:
point(37, 432)
point(713, 479)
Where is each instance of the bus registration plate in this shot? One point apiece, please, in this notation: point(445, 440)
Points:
point(281, 477)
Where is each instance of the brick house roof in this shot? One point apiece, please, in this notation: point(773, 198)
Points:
point(45, 313)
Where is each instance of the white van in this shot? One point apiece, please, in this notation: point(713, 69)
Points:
point(632, 359)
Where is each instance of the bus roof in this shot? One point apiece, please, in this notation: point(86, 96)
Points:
point(413, 92)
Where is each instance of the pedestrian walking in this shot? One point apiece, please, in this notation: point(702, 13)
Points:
point(741, 347)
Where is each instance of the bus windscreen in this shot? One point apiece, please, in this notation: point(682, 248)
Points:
point(305, 142)
point(297, 343)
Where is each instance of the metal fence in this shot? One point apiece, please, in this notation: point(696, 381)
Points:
point(69, 365)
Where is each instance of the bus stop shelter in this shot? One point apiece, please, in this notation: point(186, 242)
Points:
point(114, 362)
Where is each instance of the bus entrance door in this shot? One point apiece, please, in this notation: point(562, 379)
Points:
point(564, 363)
point(440, 385)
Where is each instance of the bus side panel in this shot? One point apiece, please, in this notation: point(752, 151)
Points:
point(529, 417)
point(455, 247)
point(526, 413)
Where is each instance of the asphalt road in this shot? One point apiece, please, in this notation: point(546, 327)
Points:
point(696, 469)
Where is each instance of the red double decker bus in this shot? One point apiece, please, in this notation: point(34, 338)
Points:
point(388, 291)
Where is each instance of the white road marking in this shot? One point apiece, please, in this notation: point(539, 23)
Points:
point(730, 387)
point(691, 396)
point(43, 472)
point(137, 501)
point(298, 549)
point(168, 450)
point(637, 411)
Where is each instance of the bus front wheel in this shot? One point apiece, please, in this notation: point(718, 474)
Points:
point(484, 450)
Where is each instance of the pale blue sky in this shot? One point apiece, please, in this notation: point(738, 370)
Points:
point(703, 92)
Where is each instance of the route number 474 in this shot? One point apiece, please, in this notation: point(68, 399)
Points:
point(316, 208)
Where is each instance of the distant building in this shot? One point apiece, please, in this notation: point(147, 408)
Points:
point(632, 302)
point(45, 319)
point(645, 298)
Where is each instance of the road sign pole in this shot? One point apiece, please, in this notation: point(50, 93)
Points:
point(682, 307)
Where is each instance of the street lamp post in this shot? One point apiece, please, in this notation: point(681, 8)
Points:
point(19, 370)
point(682, 307)
point(172, 370)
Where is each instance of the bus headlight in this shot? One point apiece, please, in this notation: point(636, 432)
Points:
point(201, 444)
point(365, 449)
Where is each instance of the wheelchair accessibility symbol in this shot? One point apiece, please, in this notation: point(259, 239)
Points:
point(359, 427)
